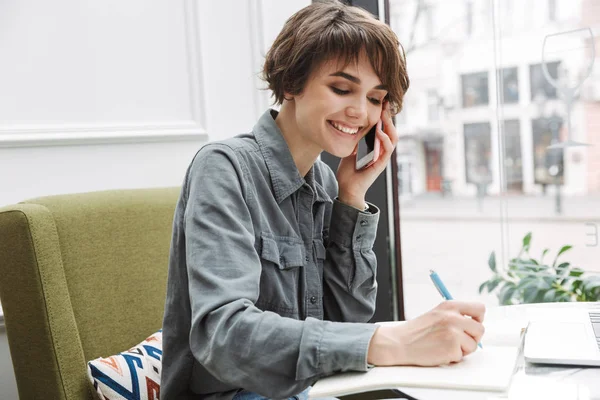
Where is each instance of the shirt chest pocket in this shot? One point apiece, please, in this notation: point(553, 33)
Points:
point(281, 259)
point(284, 251)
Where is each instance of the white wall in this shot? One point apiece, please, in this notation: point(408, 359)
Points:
point(110, 94)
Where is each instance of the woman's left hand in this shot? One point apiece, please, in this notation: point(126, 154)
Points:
point(353, 184)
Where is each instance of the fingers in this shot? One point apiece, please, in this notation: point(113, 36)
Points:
point(467, 344)
point(462, 320)
point(472, 328)
point(386, 118)
point(472, 309)
point(386, 142)
point(388, 125)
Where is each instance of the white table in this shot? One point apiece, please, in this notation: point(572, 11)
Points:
point(525, 373)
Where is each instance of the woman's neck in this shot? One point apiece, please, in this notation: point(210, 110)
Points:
point(304, 152)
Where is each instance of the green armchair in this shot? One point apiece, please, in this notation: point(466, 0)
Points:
point(81, 276)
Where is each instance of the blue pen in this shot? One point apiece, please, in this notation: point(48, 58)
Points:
point(439, 285)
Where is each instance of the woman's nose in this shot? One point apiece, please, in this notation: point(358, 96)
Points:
point(358, 109)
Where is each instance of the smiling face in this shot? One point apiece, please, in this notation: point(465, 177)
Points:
point(338, 106)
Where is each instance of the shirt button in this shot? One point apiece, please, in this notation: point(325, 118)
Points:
point(306, 258)
point(313, 299)
point(364, 222)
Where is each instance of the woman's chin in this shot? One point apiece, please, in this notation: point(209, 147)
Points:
point(340, 153)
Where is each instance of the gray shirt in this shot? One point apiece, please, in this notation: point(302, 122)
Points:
point(271, 279)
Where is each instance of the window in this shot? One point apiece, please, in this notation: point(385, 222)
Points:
point(510, 85)
point(526, 187)
point(513, 160)
point(548, 163)
point(475, 89)
point(538, 82)
point(478, 153)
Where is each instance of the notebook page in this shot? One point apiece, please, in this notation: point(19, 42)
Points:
point(488, 369)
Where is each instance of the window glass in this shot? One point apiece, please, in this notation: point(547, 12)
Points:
point(538, 82)
point(499, 170)
point(475, 89)
point(510, 85)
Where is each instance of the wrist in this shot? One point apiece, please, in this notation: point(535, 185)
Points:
point(356, 202)
point(387, 348)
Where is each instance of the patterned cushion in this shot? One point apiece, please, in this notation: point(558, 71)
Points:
point(133, 374)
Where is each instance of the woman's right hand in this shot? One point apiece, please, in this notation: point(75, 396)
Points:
point(441, 336)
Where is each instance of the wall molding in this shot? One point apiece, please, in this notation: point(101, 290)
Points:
point(195, 71)
point(139, 132)
point(61, 135)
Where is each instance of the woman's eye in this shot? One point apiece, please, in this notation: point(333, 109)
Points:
point(344, 92)
point(339, 91)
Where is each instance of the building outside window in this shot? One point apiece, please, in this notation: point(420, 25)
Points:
point(475, 89)
point(478, 153)
point(513, 159)
point(510, 85)
point(538, 84)
point(433, 106)
point(548, 163)
point(504, 145)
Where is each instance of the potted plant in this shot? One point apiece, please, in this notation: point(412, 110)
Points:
point(530, 280)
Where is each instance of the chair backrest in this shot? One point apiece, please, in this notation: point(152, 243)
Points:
point(81, 276)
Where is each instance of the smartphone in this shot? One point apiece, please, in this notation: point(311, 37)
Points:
point(368, 148)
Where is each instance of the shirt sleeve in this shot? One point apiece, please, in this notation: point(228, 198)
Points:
point(350, 269)
point(235, 341)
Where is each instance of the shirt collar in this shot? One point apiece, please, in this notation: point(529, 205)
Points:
point(285, 177)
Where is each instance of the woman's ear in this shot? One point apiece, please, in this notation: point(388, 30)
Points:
point(287, 96)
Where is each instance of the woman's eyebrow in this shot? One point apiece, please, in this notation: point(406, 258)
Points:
point(355, 79)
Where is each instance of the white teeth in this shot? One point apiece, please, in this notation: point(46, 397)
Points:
point(344, 129)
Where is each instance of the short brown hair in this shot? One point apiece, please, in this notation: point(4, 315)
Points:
point(329, 30)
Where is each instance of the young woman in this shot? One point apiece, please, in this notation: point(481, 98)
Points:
point(272, 273)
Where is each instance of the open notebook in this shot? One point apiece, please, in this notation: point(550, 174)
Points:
point(488, 369)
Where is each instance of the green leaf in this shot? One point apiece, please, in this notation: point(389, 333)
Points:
point(483, 286)
point(575, 284)
point(527, 241)
point(562, 268)
point(526, 268)
point(576, 272)
point(561, 251)
point(564, 297)
point(492, 261)
point(526, 282)
point(493, 284)
point(548, 280)
point(529, 294)
point(512, 263)
point(505, 295)
point(544, 255)
point(550, 296)
point(590, 288)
